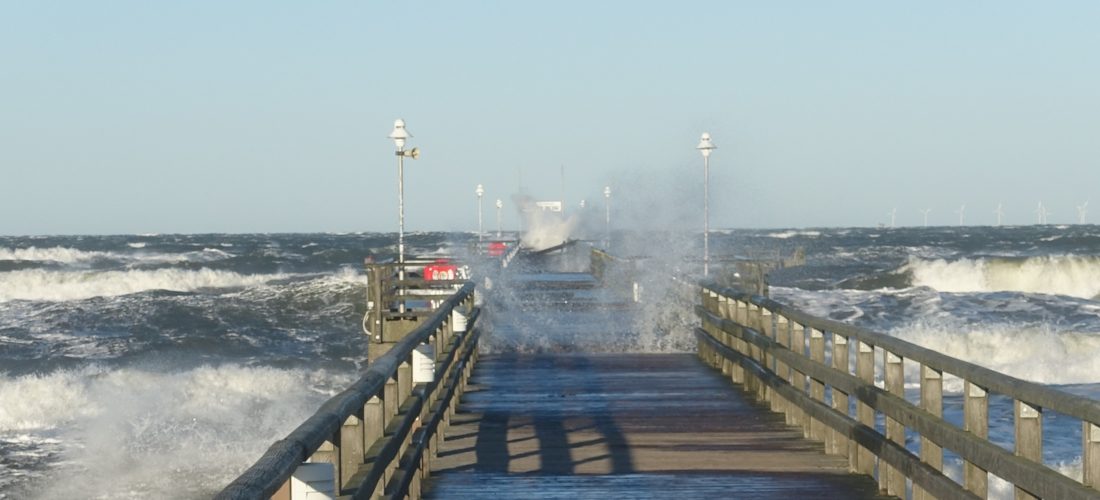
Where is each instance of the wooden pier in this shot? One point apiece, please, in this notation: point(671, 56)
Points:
point(775, 403)
point(581, 425)
point(554, 424)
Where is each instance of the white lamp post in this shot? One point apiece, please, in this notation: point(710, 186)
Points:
point(480, 191)
point(705, 147)
point(500, 205)
point(607, 215)
point(399, 136)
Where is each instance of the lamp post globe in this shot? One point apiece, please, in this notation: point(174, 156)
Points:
point(706, 147)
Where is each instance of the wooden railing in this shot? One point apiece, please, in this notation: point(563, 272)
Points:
point(379, 434)
point(801, 365)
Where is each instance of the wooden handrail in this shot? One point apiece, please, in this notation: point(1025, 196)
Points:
point(761, 343)
point(275, 467)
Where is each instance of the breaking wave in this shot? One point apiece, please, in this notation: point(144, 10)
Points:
point(56, 286)
point(1038, 353)
point(62, 255)
point(70, 256)
point(1075, 276)
point(144, 433)
point(792, 233)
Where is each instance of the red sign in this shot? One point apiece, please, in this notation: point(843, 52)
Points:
point(440, 271)
point(496, 248)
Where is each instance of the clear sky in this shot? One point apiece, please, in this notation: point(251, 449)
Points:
point(254, 116)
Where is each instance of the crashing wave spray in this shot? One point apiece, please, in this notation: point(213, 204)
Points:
point(1071, 275)
point(38, 284)
point(546, 223)
point(145, 433)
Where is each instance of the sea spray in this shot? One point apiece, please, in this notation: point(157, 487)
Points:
point(143, 433)
point(49, 285)
point(1075, 276)
point(1038, 353)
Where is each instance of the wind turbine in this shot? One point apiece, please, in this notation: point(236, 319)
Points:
point(999, 212)
point(925, 212)
point(962, 213)
point(1042, 213)
point(893, 216)
point(1082, 210)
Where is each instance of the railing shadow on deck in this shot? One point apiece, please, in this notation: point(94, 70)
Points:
point(779, 354)
point(550, 424)
point(378, 435)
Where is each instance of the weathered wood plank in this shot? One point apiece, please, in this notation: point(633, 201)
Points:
point(642, 423)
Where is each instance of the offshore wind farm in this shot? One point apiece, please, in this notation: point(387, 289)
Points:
point(1042, 216)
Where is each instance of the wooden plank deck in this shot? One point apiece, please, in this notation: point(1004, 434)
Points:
point(612, 425)
point(625, 426)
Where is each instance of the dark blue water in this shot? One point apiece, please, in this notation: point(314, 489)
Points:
point(159, 365)
point(162, 365)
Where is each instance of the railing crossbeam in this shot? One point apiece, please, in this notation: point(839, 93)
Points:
point(773, 362)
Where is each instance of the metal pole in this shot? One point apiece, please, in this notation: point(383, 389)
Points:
point(480, 232)
point(607, 222)
point(706, 215)
point(401, 221)
point(498, 222)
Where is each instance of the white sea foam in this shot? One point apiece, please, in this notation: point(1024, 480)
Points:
point(48, 285)
point(144, 434)
point(34, 402)
point(1036, 353)
point(63, 255)
point(1074, 276)
point(547, 229)
point(792, 233)
point(66, 255)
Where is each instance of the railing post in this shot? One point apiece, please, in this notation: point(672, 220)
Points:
point(729, 308)
point(894, 376)
point(931, 401)
point(1090, 461)
point(976, 417)
point(768, 329)
point(712, 301)
point(727, 337)
point(1029, 438)
point(374, 424)
point(390, 404)
point(838, 441)
point(404, 380)
point(796, 343)
point(865, 370)
point(765, 325)
point(781, 335)
point(351, 449)
point(329, 452)
point(817, 387)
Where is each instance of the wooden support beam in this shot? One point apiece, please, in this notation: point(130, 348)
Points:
point(976, 418)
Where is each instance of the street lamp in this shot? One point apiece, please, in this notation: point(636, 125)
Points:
point(399, 136)
point(480, 191)
point(500, 205)
point(607, 215)
point(705, 147)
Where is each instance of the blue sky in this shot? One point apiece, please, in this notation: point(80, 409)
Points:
point(135, 116)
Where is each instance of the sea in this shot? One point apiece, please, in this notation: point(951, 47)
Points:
point(161, 366)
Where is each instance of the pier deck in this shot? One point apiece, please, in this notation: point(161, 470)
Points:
point(612, 425)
